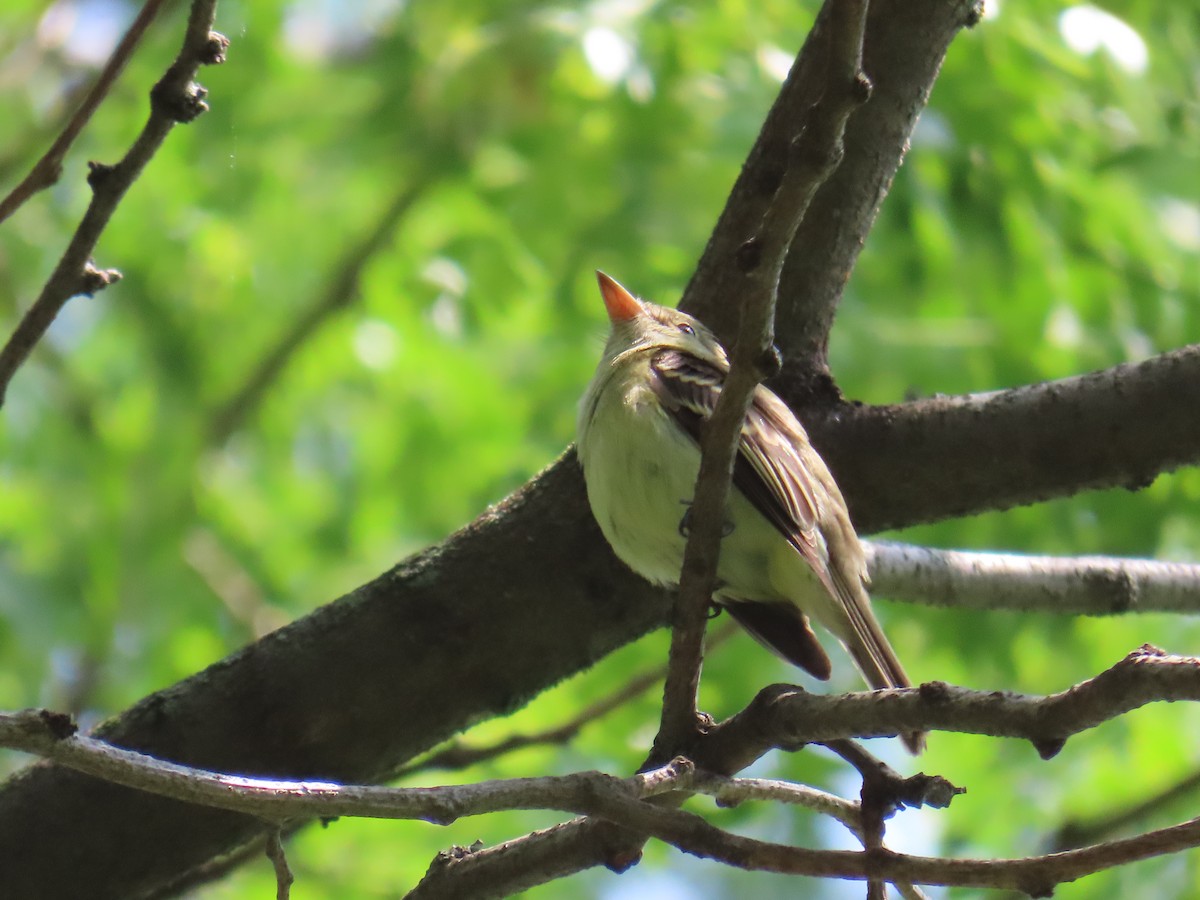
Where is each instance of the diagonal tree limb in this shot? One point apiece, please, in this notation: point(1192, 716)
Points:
point(513, 603)
point(339, 292)
point(47, 170)
point(1080, 832)
point(814, 153)
point(175, 98)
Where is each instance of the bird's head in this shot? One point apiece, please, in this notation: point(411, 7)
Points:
point(637, 324)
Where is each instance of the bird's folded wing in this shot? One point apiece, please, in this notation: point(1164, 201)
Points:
point(768, 469)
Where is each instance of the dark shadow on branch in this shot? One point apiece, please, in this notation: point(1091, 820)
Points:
point(526, 595)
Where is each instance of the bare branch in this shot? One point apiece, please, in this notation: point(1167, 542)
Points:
point(952, 456)
point(1077, 833)
point(460, 754)
point(52, 735)
point(904, 46)
point(47, 170)
point(792, 716)
point(735, 791)
point(493, 872)
point(816, 151)
point(1144, 676)
point(1087, 585)
point(730, 792)
point(283, 874)
point(784, 716)
point(339, 292)
point(175, 98)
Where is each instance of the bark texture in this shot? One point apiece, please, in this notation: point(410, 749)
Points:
point(530, 593)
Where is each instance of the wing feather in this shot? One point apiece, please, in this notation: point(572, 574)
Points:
point(784, 478)
point(768, 469)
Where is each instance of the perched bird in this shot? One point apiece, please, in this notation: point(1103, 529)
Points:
point(788, 550)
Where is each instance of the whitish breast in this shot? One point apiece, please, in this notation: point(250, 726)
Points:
point(641, 471)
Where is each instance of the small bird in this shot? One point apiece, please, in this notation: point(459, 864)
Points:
point(788, 549)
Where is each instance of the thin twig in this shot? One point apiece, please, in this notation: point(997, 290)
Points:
point(175, 98)
point(1077, 833)
point(876, 802)
point(884, 791)
point(219, 867)
point(1142, 676)
point(734, 791)
point(771, 721)
point(613, 799)
point(339, 292)
point(47, 170)
point(730, 792)
point(816, 151)
point(460, 755)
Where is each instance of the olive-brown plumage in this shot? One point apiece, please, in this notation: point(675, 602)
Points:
point(789, 550)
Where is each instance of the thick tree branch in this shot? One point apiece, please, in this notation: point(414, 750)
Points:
point(1087, 585)
point(47, 170)
point(526, 595)
point(903, 48)
point(176, 98)
point(1144, 676)
point(950, 456)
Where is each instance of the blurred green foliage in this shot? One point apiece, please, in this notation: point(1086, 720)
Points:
point(1045, 223)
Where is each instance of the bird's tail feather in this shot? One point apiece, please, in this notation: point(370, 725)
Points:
point(869, 648)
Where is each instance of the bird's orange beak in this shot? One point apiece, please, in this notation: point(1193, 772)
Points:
point(621, 305)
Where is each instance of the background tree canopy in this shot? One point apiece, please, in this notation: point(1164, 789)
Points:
point(358, 307)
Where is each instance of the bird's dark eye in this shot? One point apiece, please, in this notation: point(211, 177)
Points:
point(686, 328)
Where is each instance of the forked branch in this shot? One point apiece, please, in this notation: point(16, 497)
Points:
point(175, 98)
